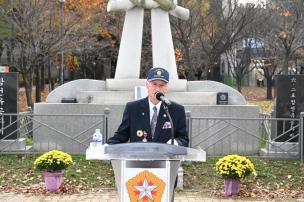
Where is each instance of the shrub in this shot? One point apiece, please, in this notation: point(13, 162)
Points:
point(53, 161)
point(234, 167)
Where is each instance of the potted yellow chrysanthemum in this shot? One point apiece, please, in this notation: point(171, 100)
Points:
point(53, 163)
point(233, 168)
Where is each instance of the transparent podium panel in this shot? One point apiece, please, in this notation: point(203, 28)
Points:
point(153, 151)
point(145, 170)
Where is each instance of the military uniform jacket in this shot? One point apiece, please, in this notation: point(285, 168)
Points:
point(135, 125)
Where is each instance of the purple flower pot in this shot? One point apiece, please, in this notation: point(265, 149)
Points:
point(53, 180)
point(232, 187)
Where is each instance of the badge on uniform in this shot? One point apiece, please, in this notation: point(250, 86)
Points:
point(142, 133)
point(139, 133)
point(167, 125)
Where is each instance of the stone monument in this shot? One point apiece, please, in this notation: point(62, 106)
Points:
point(9, 88)
point(128, 70)
point(289, 104)
point(9, 123)
point(128, 63)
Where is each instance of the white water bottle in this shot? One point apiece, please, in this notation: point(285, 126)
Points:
point(97, 137)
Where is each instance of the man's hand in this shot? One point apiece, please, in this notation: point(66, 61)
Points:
point(174, 142)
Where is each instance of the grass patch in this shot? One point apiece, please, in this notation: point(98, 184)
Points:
point(273, 176)
point(20, 170)
point(29, 140)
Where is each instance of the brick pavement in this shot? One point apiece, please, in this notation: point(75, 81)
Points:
point(111, 196)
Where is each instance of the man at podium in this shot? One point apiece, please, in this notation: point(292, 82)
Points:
point(146, 120)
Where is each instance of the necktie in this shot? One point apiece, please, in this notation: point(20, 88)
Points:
point(153, 121)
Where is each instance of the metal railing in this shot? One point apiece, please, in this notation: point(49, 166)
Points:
point(37, 133)
point(264, 136)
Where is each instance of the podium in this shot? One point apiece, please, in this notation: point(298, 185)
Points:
point(145, 171)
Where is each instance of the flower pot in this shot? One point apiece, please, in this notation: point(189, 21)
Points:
point(53, 180)
point(232, 187)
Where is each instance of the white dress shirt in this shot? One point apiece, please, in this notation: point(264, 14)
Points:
point(151, 105)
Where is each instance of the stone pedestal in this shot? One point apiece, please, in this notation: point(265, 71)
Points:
point(280, 150)
point(122, 97)
point(129, 84)
point(13, 145)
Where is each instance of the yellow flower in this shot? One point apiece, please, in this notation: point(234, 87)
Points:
point(53, 161)
point(234, 167)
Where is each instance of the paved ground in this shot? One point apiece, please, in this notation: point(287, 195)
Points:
point(110, 196)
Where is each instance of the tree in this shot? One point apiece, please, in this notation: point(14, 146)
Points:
point(35, 40)
point(25, 46)
point(239, 63)
point(95, 38)
point(284, 30)
point(214, 26)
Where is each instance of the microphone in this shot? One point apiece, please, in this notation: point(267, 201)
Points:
point(161, 97)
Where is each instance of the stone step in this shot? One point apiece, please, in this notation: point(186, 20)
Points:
point(278, 155)
point(13, 145)
point(122, 97)
point(283, 146)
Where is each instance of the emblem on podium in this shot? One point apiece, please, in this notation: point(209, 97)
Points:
point(145, 187)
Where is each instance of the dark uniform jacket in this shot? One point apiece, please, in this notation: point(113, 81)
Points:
point(135, 125)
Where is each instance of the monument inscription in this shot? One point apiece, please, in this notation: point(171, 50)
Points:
point(8, 104)
point(289, 104)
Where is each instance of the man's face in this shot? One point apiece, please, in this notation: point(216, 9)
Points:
point(156, 86)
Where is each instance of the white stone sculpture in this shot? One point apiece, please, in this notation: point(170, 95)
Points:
point(128, 63)
point(166, 5)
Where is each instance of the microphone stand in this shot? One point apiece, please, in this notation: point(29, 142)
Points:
point(171, 122)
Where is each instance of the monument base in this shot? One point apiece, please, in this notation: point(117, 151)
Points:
point(283, 146)
point(113, 97)
point(13, 145)
point(120, 91)
point(281, 150)
point(279, 155)
point(130, 84)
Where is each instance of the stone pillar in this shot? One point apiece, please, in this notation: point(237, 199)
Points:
point(162, 44)
point(129, 56)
